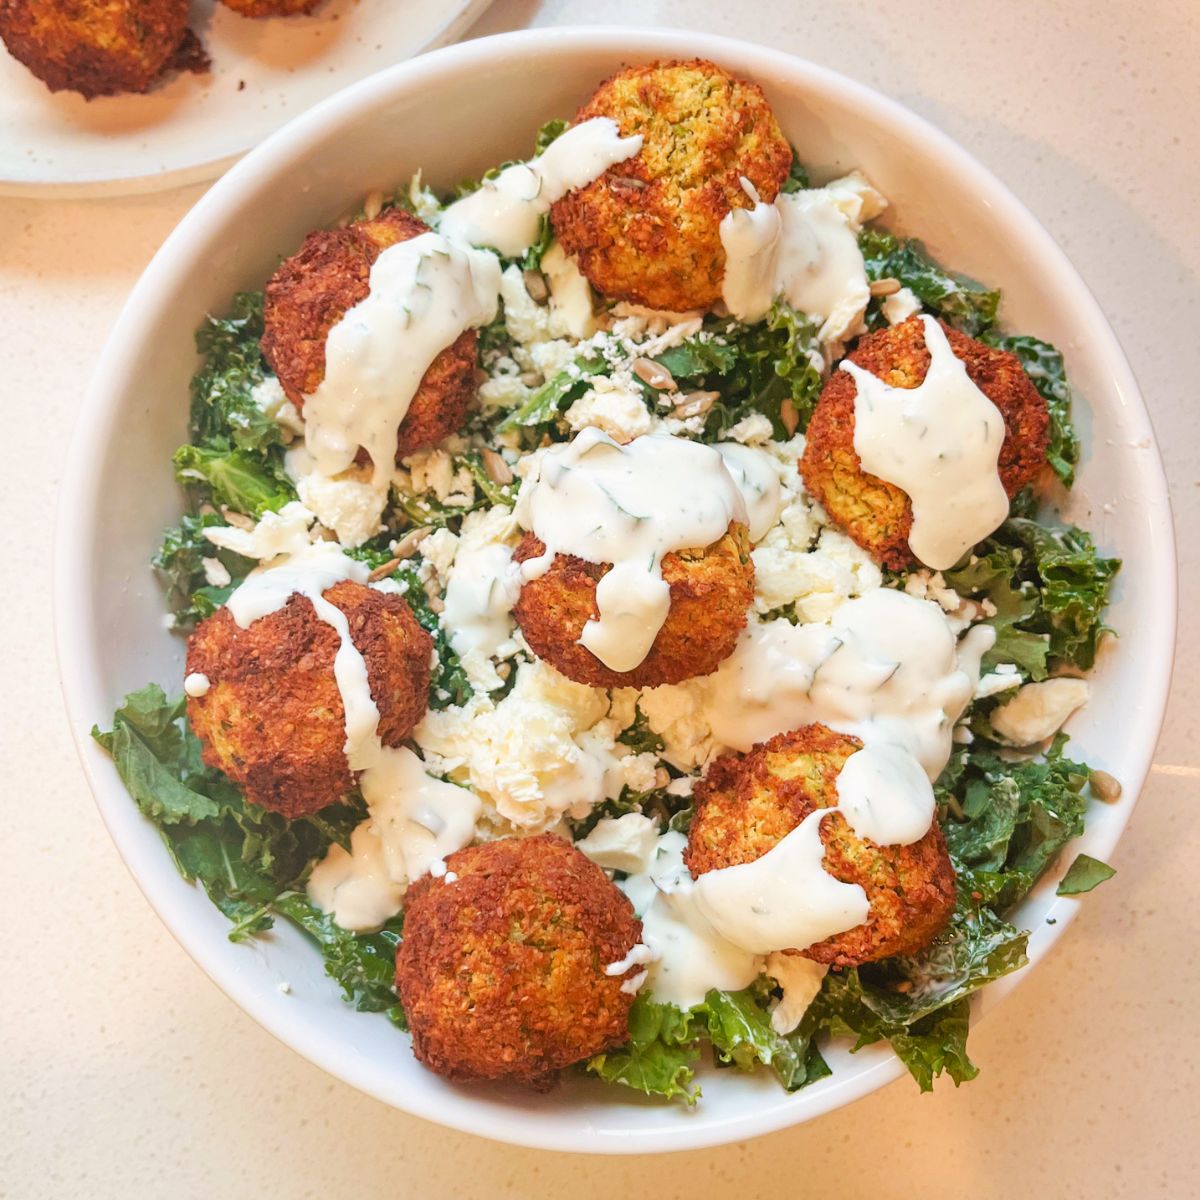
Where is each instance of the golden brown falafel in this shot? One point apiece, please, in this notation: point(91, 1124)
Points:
point(313, 290)
point(101, 47)
point(273, 719)
point(876, 514)
point(711, 592)
point(648, 229)
point(501, 972)
point(272, 8)
point(746, 804)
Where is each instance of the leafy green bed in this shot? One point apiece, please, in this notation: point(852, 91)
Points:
point(1005, 820)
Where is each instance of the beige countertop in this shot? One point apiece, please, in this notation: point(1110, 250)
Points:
point(127, 1073)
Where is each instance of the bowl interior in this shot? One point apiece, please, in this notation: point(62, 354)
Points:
point(452, 114)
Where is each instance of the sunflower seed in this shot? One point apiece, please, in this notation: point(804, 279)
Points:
point(885, 287)
point(694, 404)
point(789, 418)
point(498, 471)
point(373, 205)
point(1105, 787)
point(653, 375)
point(535, 285)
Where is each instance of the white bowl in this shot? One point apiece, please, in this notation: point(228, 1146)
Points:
point(453, 113)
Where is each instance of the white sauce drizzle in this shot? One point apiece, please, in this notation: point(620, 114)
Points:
point(196, 685)
point(885, 668)
point(310, 572)
point(756, 477)
point(420, 819)
point(415, 822)
point(423, 294)
point(629, 506)
point(783, 900)
point(803, 248)
point(690, 957)
point(940, 444)
point(483, 588)
point(505, 213)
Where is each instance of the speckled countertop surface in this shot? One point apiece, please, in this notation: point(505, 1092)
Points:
point(125, 1072)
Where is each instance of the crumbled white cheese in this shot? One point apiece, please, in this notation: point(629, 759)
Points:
point(899, 306)
point(216, 574)
point(617, 409)
point(676, 712)
point(275, 533)
point(438, 551)
point(1004, 677)
point(1039, 710)
point(801, 979)
point(815, 580)
point(268, 395)
point(525, 756)
point(571, 303)
point(434, 471)
point(751, 429)
point(625, 843)
point(858, 200)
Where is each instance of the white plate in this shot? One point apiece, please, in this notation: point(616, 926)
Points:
point(192, 127)
point(453, 113)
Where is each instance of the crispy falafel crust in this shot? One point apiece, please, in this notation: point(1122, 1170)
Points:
point(501, 973)
point(747, 803)
point(711, 592)
point(318, 285)
point(877, 514)
point(648, 229)
point(272, 8)
point(98, 48)
point(273, 718)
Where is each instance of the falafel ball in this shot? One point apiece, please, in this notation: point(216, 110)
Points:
point(272, 8)
point(273, 719)
point(746, 804)
point(101, 47)
point(313, 290)
point(648, 229)
point(502, 971)
point(877, 514)
point(712, 589)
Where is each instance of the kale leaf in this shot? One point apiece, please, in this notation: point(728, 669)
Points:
point(1016, 817)
point(1050, 589)
point(235, 458)
point(753, 369)
point(180, 564)
point(243, 855)
point(959, 301)
point(1084, 874)
point(362, 964)
point(665, 1043)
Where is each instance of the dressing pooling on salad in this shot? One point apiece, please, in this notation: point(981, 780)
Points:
point(737, 760)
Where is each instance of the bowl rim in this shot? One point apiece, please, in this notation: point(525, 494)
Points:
point(75, 546)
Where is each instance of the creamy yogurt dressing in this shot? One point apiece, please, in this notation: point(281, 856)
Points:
point(505, 212)
point(886, 667)
point(802, 248)
point(784, 899)
point(690, 957)
point(310, 572)
point(423, 294)
point(415, 821)
point(483, 588)
point(420, 820)
point(629, 506)
point(755, 476)
point(940, 444)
